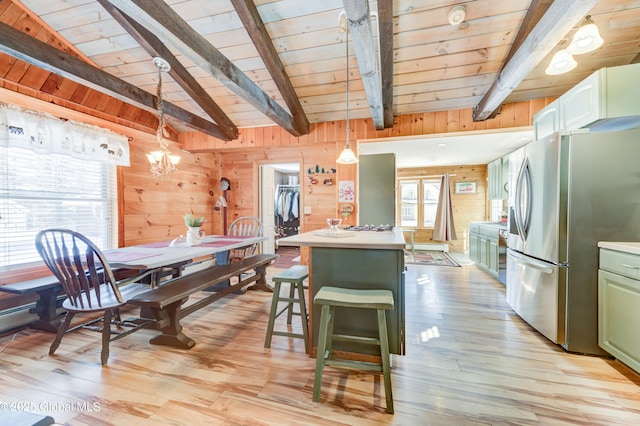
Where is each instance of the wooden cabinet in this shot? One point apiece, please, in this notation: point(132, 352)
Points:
point(484, 246)
point(498, 177)
point(619, 306)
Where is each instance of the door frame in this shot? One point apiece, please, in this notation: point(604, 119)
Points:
point(258, 184)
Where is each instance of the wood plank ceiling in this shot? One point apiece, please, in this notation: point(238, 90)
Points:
point(257, 63)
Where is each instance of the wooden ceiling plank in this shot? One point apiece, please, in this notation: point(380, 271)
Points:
point(155, 47)
point(359, 19)
point(159, 18)
point(385, 24)
point(19, 45)
point(557, 21)
point(254, 26)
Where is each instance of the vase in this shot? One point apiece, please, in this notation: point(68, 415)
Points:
point(194, 235)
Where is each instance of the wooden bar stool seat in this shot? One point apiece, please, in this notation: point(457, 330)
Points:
point(295, 276)
point(329, 298)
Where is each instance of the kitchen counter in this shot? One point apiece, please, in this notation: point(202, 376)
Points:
point(625, 247)
point(356, 260)
point(385, 240)
point(498, 225)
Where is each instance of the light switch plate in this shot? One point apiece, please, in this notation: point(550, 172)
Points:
point(307, 209)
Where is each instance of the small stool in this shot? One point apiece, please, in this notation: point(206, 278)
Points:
point(329, 298)
point(295, 276)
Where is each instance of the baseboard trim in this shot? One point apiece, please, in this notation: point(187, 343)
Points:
point(433, 246)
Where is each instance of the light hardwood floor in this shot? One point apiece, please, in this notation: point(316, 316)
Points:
point(470, 360)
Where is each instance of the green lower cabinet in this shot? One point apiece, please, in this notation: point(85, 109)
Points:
point(619, 317)
point(484, 248)
point(360, 269)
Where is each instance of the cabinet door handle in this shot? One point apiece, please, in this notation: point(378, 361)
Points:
point(624, 265)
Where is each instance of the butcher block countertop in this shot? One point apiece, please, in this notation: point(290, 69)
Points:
point(385, 240)
point(626, 247)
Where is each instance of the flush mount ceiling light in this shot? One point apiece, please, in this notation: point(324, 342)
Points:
point(457, 15)
point(586, 39)
point(561, 62)
point(347, 156)
point(162, 162)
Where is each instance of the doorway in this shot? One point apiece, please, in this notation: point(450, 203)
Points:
point(280, 207)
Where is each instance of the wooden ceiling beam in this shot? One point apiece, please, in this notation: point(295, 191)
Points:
point(536, 10)
point(26, 48)
point(164, 22)
point(178, 72)
point(553, 26)
point(254, 26)
point(385, 25)
point(359, 19)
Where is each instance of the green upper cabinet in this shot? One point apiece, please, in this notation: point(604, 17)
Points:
point(498, 177)
point(607, 99)
point(547, 120)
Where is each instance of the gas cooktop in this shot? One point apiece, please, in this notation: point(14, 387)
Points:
point(375, 228)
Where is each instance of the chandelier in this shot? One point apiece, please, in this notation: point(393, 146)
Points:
point(163, 163)
point(347, 156)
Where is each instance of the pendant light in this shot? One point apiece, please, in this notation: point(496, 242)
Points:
point(561, 62)
point(586, 39)
point(162, 162)
point(347, 156)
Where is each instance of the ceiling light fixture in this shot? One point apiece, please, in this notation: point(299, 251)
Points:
point(586, 39)
point(163, 163)
point(561, 62)
point(457, 14)
point(347, 156)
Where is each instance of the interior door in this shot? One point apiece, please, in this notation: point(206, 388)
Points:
point(267, 210)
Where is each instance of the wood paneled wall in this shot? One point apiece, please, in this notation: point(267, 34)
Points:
point(466, 207)
point(240, 158)
point(152, 209)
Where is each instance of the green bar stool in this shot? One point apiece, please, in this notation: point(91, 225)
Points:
point(295, 276)
point(329, 298)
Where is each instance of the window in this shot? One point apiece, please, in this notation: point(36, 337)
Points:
point(418, 202)
point(44, 190)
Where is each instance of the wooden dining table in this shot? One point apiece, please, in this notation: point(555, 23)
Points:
point(162, 257)
point(175, 255)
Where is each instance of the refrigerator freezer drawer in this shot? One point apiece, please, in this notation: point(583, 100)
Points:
point(536, 292)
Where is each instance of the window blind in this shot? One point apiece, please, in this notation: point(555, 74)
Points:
point(44, 190)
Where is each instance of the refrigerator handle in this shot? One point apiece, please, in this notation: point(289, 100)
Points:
point(523, 201)
point(529, 262)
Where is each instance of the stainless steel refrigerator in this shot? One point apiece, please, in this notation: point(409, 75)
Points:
point(567, 192)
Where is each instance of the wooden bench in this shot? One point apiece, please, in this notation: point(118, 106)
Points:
point(165, 302)
point(47, 289)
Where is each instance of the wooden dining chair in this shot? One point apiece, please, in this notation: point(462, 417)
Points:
point(90, 286)
point(245, 226)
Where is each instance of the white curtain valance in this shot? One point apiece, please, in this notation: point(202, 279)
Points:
point(44, 133)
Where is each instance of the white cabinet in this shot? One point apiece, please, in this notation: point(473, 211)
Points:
point(619, 306)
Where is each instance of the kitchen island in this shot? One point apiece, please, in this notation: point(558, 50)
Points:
point(359, 260)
